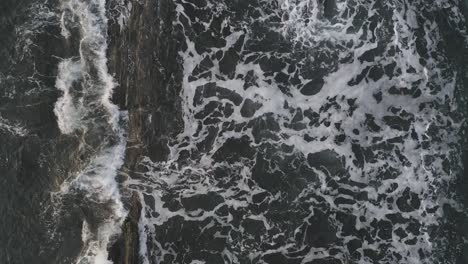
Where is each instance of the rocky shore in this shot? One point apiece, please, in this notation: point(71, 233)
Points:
point(143, 59)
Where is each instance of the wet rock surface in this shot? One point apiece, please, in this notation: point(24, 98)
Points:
point(142, 55)
point(126, 249)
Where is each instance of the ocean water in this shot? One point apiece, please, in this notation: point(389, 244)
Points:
point(314, 132)
point(311, 131)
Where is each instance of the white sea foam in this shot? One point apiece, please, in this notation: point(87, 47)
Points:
point(86, 106)
point(68, 109)
point(15, 129)
point(95, 249)
point(39, 17)
point(303, 22)
point(123, 10)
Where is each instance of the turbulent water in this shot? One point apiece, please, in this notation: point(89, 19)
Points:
point(88, 111)
point(305, 131)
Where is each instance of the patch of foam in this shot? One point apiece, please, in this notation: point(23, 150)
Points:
point(304, 20)
point(40, 15)
point(86, 106)
point(95, 250)
point(123, 10)
point(98, 185)
point(97, 90)
point(15, 129)
point(67, 109)
point(428, 181)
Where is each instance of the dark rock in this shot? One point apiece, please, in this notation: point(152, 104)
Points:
point(126, 249)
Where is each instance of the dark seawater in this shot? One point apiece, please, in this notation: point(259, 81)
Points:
point(249, 131)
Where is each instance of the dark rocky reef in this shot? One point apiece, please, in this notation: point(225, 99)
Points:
point(143, 59)
point(126, 249)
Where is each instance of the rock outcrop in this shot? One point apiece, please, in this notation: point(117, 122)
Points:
point(143, 58)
